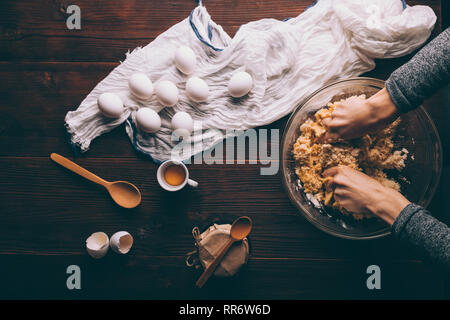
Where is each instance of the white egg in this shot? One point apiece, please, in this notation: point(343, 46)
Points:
point(196, 89)
point(185, 59)
point(166, 92)
point(182, 121)
point(140, 86)
point(148, 120)
point(110, 105)
point(240, 84)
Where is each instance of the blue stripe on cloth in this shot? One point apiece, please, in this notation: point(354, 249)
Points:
point(134, 143)
point(194, 28)
point(209, 32)
point(404, 4)
point(311, 5)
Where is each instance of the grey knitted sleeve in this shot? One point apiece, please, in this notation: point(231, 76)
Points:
point(428, 235)
point(423, 75)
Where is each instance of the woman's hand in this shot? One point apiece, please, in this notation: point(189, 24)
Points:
point(358, 193)
point(356, 117)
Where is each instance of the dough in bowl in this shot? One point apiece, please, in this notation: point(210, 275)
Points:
point(372, 154)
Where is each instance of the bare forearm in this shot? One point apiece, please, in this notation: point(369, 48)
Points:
point(388, 204)
point(383, 109)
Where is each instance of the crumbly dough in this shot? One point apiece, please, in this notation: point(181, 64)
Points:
point(371, 154)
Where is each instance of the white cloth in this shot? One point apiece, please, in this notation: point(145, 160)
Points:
point(288, 60)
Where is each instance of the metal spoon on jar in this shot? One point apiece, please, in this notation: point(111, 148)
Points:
point(123, 193)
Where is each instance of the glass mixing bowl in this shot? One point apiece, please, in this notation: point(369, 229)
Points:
point(418, 179)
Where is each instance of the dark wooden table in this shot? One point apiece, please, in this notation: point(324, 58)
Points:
point(47, 212)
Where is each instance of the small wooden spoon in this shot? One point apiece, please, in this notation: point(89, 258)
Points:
point(240, 229)
point(123, 193)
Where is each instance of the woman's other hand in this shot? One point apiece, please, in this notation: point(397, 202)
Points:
point(358, 193)
point(355, 117)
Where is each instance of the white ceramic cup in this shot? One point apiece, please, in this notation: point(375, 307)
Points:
point(166, 186)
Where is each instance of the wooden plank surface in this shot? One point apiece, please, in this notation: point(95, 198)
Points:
point(36, 30)
point(162, 277)
point(47, 212)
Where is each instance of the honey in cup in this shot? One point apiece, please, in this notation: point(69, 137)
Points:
point(174, 175)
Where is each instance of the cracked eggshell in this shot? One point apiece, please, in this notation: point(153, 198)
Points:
point(121, 242)
point(97, 245)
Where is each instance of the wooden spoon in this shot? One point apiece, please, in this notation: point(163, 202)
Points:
point(240, 229)
point(123, 193)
